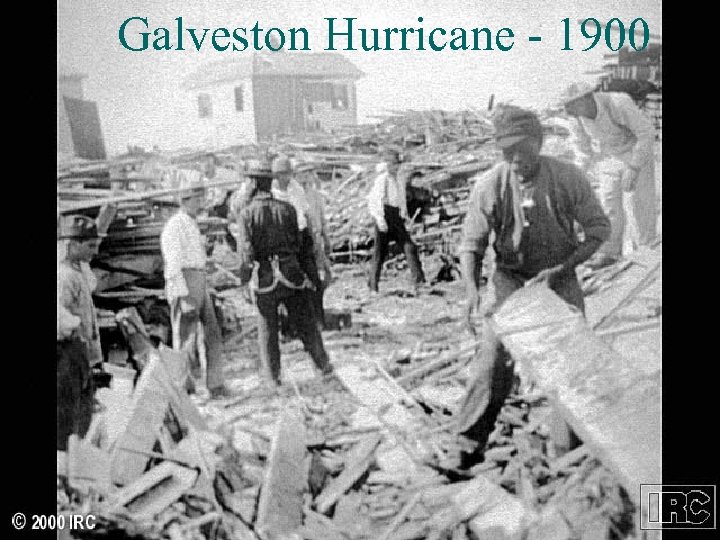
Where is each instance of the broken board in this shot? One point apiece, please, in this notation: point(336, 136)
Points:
point(613, 404)
point(280, 508)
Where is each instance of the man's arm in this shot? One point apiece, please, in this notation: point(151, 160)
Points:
point(171, 244)
point(589, 213)
point(624, 111)
point(476, 231)
point(244, 246)
point(376, 201)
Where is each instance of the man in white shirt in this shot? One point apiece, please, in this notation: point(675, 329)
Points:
point(387, 204)
point(186, 289)
point(619, 142)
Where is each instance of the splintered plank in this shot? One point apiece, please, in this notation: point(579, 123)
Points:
point(613, 404)
point(357, 462)
point(280, 509)
point(154, 491)
point(646, 265)
point(154, 396)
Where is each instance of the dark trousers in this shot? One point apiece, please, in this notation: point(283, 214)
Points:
point(75, 391)
point(396, 232)
point(318, 299)
point(185, 328)
point(497, 379)
point(298, 303)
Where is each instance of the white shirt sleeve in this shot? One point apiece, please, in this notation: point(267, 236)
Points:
point(626, 113)
point(171, 247)
point(376, 199)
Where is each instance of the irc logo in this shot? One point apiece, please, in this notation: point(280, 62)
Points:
point(677, 507)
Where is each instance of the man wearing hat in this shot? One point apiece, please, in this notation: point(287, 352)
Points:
point(78, 344)
point(308, 180)
point(619, 140)
point(186, 288)
point(270, 240)
point(387, 204)
point(531, 202)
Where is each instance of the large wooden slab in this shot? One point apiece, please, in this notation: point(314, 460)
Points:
point(612, 402)
point(280, 509)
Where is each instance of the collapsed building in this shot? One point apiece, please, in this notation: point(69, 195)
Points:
point(374, 454)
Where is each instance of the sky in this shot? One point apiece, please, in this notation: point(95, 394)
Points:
point(141, 102)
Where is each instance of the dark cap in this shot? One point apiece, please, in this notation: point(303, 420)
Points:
point(513, 124)
point(77, 227)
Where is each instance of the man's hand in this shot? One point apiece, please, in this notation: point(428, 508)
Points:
point(546, 275)
point(472, 307)
point(629, 179)
point(186, 306)
point(382, 226)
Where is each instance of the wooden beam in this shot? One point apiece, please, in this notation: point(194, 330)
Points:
point(70, 208)
point(280, 508)
point(356, 463)
point(613, 405)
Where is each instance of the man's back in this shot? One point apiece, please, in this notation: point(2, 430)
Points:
point(269, 228)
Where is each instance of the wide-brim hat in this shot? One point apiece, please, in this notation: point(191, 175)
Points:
point(258, 169)
point(576, 90)
point(281, 165)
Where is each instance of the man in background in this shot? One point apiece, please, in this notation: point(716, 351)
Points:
point(619, 140)
point(270, 244)
point(387, 204)
point(186, 288)
point(309, 181)
point(78, 343)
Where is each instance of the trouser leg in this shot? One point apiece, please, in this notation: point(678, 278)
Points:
point(494, 381)
point(318, 297)
point(611, 198)
point(185, 330)
point(411, 255)
point(379, 253)
point(213, 343)
point(302, 314)
point(269, 346)
point(68, 382)
point(644, 204)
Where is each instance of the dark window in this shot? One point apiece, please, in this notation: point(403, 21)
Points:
point(340, 96)
point(204, 106)
point(239, 105)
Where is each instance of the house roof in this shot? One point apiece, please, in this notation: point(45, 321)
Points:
point(306, 64)
point(220, 71)
point(328, 65)
point(66, 72)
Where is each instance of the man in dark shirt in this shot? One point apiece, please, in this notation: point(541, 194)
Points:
point(532, 203)
point(286, 273)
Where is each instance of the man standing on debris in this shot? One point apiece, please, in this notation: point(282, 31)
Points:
point(186, 289)
point(308, 180)
point(285, 273)
point(619, 141)
point(387, 204)
point(531, 202)
point(78, 339)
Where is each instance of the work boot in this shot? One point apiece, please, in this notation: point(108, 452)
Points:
point(221, 392)
point(599, 261)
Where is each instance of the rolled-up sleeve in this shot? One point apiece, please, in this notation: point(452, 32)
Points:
point(479, 220)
